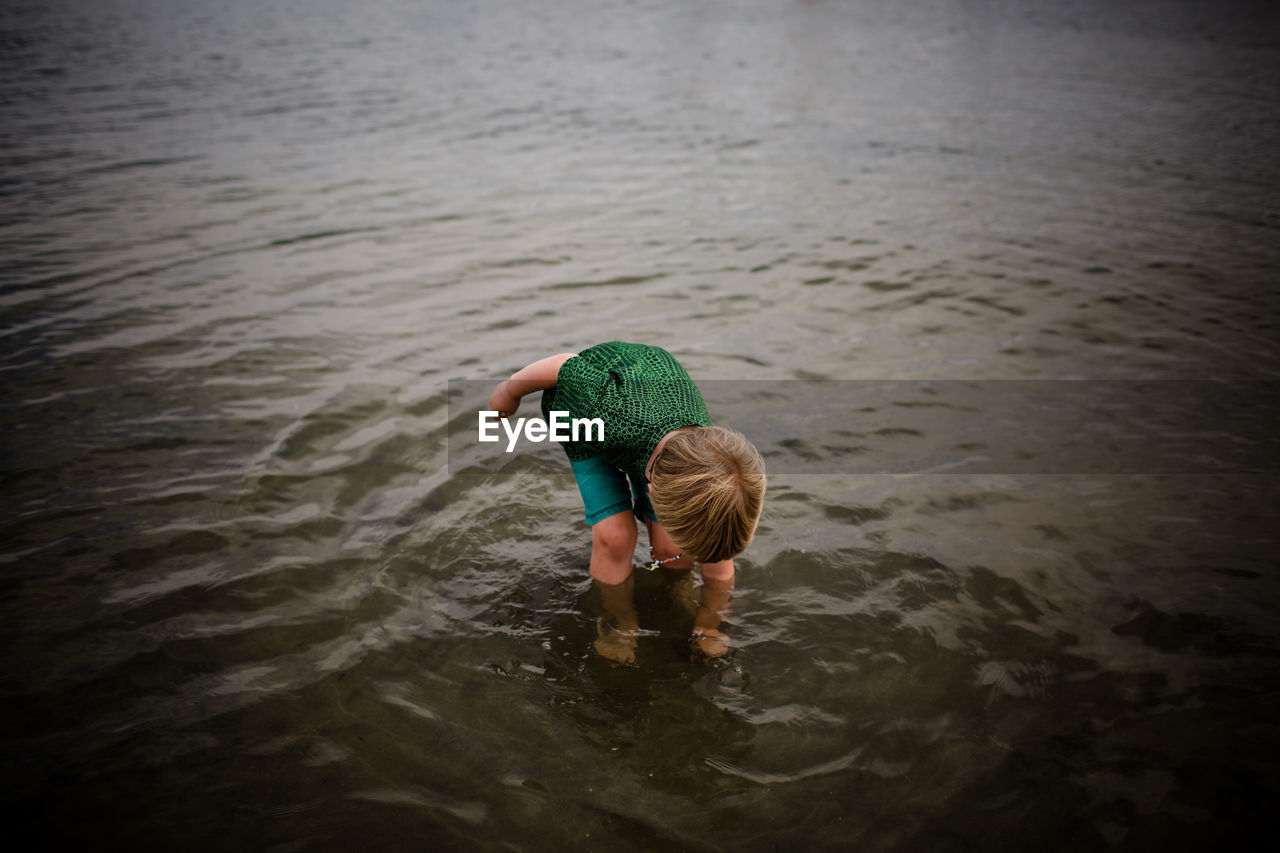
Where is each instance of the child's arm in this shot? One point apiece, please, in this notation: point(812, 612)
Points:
point(538, 376)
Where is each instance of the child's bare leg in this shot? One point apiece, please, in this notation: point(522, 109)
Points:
point(613, 545)
point(616, 630)
point(711, 605)
point(677, 573)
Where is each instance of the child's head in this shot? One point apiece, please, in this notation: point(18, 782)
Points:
point(707, 489)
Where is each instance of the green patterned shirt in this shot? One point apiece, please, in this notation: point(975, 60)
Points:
point(640, 392)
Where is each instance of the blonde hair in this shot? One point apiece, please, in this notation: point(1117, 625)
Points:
point(707, 491)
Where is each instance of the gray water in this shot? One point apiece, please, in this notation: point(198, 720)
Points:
point(249, 603)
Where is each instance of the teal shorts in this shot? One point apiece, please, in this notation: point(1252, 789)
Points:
point(606, 491)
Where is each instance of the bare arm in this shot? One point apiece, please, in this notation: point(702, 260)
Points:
point(538, 376)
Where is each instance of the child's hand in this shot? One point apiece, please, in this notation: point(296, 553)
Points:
point(503, 401)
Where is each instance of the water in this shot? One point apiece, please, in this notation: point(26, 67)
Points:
point(248, 603)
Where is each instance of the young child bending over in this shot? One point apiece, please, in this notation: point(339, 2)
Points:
point(698, 488)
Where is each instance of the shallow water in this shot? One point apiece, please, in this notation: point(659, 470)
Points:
point(253, 598)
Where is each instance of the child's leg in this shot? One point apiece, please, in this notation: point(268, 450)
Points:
point(606, 501)
point(613, 547)
point(708, 610)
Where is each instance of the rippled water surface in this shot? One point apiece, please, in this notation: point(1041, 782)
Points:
point(253, 600)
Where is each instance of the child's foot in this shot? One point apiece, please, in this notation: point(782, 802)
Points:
point(615, 644)
point(709, 643)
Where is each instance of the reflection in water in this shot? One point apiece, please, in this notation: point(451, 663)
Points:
point(658, 717)
point(253, 597)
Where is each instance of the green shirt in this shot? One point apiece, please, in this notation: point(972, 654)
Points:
point(640, 392)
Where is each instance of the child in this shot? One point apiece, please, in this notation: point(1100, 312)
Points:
point(698, 488)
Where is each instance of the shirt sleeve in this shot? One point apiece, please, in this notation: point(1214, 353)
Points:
point(579, 386)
